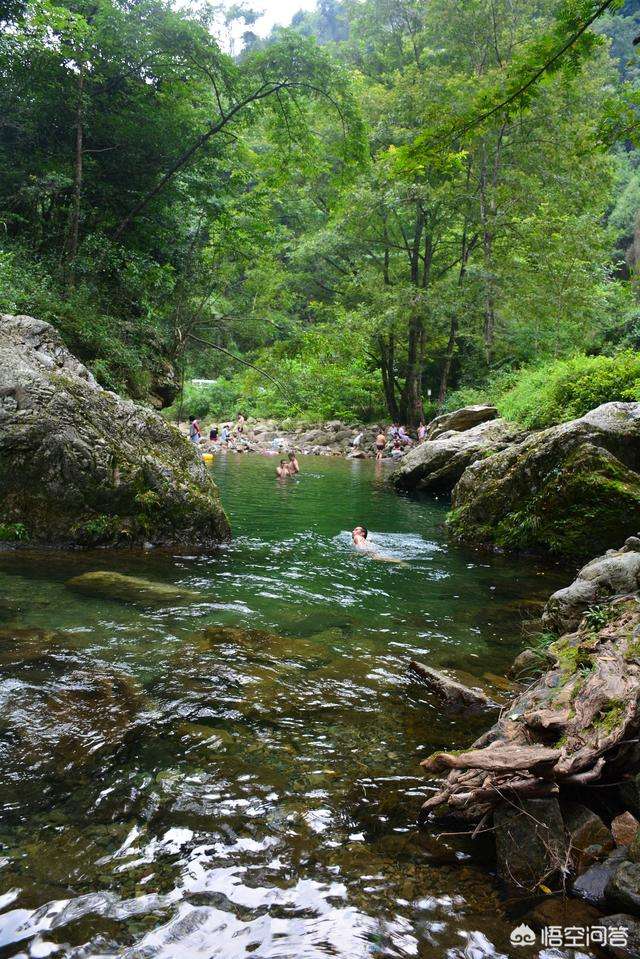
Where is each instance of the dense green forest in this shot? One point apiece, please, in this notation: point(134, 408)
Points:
point(387, 207)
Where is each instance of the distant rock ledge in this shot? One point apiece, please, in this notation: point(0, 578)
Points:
point(80, 466)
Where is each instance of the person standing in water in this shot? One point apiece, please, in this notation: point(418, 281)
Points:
point(381, 442)
point(195, 433)
point(283, 470)
point(293, 465)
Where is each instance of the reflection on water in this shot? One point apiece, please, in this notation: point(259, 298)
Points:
point(239, 776)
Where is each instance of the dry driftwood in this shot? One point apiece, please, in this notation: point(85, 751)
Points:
point(575, 725)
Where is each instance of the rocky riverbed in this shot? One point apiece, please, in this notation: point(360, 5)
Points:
point(332, 438)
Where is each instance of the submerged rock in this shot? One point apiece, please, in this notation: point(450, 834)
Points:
point(436, 466)
point(82, 466)
point(530, 842)
point(631, 929)
point(130, 589)
point(455, 695)
point(616, 573)
point(623, 888)
point(55, 732)
point(460, 420)
point(592, 885)
point(569, 490)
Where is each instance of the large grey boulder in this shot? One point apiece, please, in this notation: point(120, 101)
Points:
point(618, 572)
point(460, 420)
point(80, 465)
point(571, 490)
point(437, 465)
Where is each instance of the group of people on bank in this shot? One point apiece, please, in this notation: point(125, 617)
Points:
point(396, 440)
point(392, 442)
point(228, 436)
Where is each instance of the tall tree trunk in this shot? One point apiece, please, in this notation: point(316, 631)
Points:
point(448, 359)
point(412, 408)
point(465, 253)
point(74, 222)
point(387, 360)
point(488, 210)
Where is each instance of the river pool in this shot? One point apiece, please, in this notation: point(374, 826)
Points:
point(238, 776)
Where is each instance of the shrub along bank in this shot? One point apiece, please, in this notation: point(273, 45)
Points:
point(558, 390)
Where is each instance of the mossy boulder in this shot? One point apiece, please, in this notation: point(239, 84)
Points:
point(570, 490)
point(131, 589)
point(436, 465)
point(616, 573)
point(81, 466)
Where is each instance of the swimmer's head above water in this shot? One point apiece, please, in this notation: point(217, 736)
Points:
point(359, 535)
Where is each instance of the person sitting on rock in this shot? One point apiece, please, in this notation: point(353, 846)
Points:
point(293, 465)
point(213, 434)
point(195, 433)
point(422, 431)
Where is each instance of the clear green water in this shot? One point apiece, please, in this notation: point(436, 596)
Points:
point(239, 776)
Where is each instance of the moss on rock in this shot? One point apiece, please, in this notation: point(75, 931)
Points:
point(571, 490)
point(79, 465)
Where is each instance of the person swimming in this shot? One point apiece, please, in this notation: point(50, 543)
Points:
point(283, 470)
point(359, 537)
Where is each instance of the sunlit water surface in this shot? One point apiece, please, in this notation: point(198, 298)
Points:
point(171, 788)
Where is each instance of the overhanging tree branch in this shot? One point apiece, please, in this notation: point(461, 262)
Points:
point(265, 90)
point(221, 349)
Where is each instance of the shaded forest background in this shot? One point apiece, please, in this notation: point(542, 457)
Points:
point(389, 207)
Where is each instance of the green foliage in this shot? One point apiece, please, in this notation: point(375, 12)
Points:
point(13, 532)
point(597, 617)
point(353, 205)
point(565, 389)
point(322, 376)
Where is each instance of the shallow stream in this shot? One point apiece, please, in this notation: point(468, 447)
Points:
point(238, 775)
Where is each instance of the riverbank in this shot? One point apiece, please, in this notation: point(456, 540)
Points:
point(556, 779)
point(269, 437)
